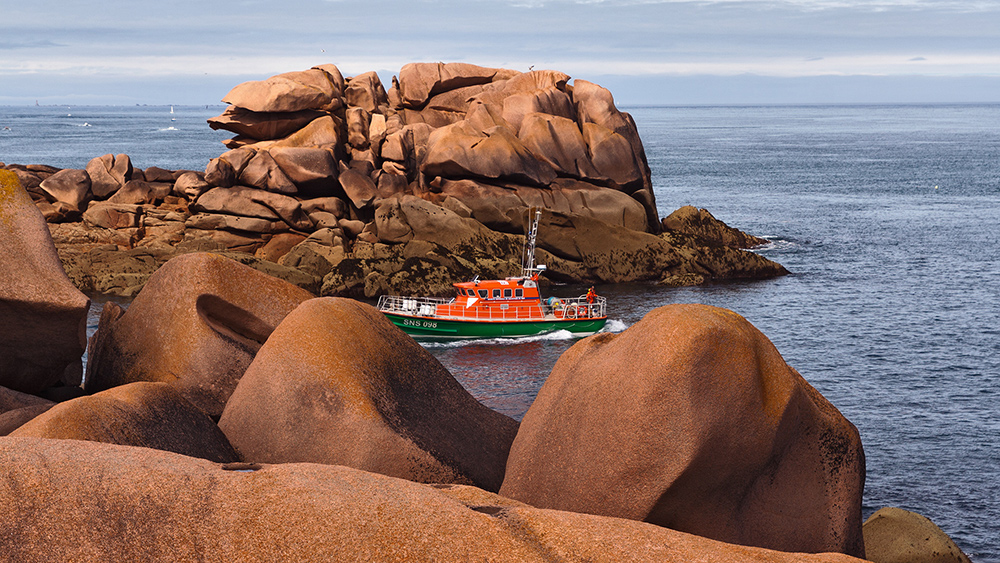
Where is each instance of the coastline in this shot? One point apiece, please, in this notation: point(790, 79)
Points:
point(798, 347)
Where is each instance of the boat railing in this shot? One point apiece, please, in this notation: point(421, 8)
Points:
point(422, 306)
point(552, 308)
point(578, 307)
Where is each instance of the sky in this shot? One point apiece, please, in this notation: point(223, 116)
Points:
point(647, 52)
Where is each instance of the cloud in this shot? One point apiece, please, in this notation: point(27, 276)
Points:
point(29, 44)
point(773, 38)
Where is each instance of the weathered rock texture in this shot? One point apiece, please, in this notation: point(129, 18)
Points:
point(14, 419)
point(17, 408)
point(337, 383)
point(196, 326)
point(80, 501)
point(691, 420)
point(149, 415)
point(322, 157)
point(700, 223)
point(12, 400)
point(894, 535)
point(42, 315)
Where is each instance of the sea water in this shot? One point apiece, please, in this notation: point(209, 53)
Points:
point(887, 217)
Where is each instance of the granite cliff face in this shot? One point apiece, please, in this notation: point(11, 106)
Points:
point(345, 187)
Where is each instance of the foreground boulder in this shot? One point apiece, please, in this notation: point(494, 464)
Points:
point(337, 383)
point(149, 415)
point(691, 420)
point(96, 502)
point(894, 535)
point(42, 315)
point(196, 325)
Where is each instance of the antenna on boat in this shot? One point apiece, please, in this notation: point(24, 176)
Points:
point(528, 260)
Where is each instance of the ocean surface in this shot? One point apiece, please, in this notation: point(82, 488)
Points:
point(888, 218)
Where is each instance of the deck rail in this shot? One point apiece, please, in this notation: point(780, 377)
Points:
point(550, 309)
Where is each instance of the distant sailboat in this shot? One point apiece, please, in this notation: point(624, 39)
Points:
point(171, 112)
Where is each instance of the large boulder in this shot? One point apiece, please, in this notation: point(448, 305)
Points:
point(313, 170)
point(262, 126)
point(89, 502)
point(691, 420)
point(559, 142)
point(314, 89)
point(108, 174)
point(894, 535)
point(461, 150)
point(337, 383)
point(505, 207)
point(42, 315)
point(365, 91)
point(419, 81)
point(148, 415)
point(69, 186)
point(196, 325)
point(249, 202)
point(108, 215)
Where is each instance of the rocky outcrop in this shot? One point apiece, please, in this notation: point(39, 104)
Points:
point(196, 325)
point(42, 314)
point(894, 535)
point(689, 220)
point(337, 383)
point(320, 156)
point(690, 419)
point(97, 502)
point(149, 415)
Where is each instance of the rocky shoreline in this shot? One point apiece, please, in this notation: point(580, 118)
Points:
point(231, 414)
point(347, 189)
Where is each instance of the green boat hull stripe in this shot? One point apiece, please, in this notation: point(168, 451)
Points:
point(449, 328)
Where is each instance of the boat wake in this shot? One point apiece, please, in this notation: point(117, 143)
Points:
point(547, 337)
point(775, 243)
point(614, 325)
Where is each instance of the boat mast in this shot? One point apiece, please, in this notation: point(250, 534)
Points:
point(528, 260)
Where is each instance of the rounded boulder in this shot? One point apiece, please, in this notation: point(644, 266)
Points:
point(337, 383)
point(691, 420)
point(196, 324)
point(148, 415)
point(88, 502)
point(42, 313)
point(894, 535)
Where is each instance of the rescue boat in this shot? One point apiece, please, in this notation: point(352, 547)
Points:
point(506, 308)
